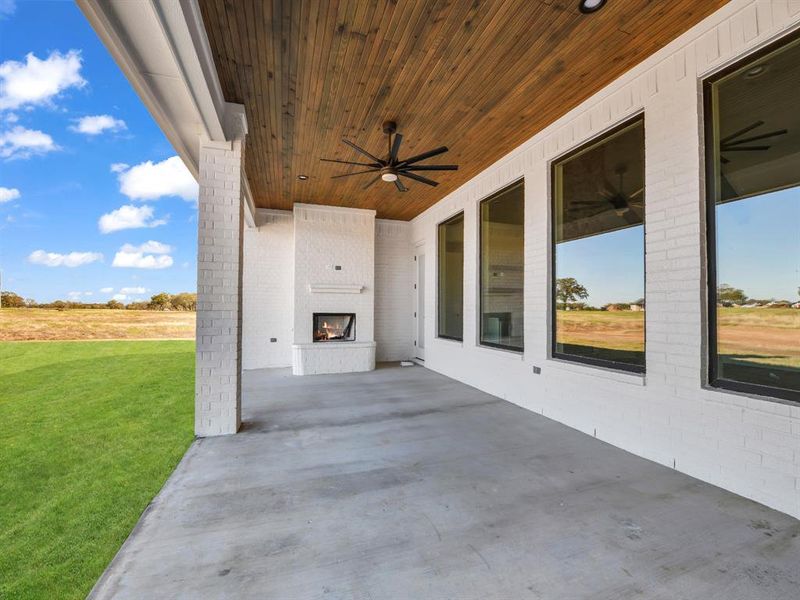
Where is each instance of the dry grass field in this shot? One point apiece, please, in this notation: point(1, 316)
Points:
point(762, 335)
point(25, 324)
point(622, 330)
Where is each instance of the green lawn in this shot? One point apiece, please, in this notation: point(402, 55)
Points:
point(89, 432)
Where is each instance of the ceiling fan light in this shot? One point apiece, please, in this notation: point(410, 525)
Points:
point(590, 6)
point(389, 177)
point(756, 71)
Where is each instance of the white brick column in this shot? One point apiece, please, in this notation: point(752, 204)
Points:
point(219, 281)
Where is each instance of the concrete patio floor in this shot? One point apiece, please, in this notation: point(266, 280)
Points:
point(402, 483)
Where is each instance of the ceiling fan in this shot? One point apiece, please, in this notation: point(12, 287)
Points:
point(733, 142)
point(620, 202)
point(392, 167)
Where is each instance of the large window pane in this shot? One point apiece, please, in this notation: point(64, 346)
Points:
point(598, 292)
point(754, 224)
point(502, 272)
point(451, 278)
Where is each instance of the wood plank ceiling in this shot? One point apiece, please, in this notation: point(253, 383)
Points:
point(478, 76)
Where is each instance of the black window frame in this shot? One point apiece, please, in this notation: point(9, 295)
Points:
point(712, 379)
point(574, 358)
point(447, 221)
point(515, 349)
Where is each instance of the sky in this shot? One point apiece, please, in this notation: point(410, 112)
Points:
point(95, 205)
point(758, 245)
point(610, 266)
point(758, 251)
point(94, 202)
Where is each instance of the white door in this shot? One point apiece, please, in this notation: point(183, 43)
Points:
point(419, 306)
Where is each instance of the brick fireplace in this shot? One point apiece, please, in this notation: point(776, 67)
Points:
point(334, 280)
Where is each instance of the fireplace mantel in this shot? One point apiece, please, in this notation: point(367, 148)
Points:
point(335, 288)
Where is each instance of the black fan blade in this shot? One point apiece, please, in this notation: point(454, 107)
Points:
point(742, 131)
point(423, 156)
point(400, 185)
point(431, 168)
point(744, 149)
point(398, 139)
point(371, 181)
point(364, 152)
point(354, 173)
point(419, 178)
point(755, 138)
point(349, 162)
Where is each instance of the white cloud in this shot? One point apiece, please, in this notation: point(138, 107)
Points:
point(8, 194)
point(119, 297)
point(128, 217)
point(20, 142)
point(7, 8)
point(119, 167)
point(150, 181)
point(106, 290)
point(10, 117)
point(149, 246)
point(75, 296)
point(97, 124)
point(73, 259)
point(133, 290)
point(37, 81)
point(150, 255)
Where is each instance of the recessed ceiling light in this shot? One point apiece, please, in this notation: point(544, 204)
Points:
point(302, 177)
point(756, 71)
point(590, 6)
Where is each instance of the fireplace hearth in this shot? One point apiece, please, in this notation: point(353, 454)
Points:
point(334, 327)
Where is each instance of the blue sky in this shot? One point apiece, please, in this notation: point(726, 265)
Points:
point(758, 251)
point(92, 202)
point(609, 266)
point(758, 245)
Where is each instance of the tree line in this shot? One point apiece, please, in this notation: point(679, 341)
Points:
point(184, 301)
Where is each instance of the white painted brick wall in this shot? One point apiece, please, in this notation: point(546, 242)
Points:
point(748, 445)
point(326, 237)
point(268, 291)
point(219, 289)
point(393, 290)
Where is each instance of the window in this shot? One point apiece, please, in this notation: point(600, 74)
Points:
point(502, 273)
point(598, 236)
point(451, 278)
point(753, 161)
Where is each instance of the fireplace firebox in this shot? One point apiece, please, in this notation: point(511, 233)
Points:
point(334, 327)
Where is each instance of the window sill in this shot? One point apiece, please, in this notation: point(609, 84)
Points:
point(501, 351)
point(448, 340)
point(638, 379)
point(759, 397)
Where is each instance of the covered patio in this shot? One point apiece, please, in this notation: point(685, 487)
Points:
point(403, 483)
point(409, 181)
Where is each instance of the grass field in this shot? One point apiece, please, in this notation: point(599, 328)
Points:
point(89, 432)
point(620, 330)
point(760, 335)
point(94, 324)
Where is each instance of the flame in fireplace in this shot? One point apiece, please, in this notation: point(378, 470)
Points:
point(337, 329)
